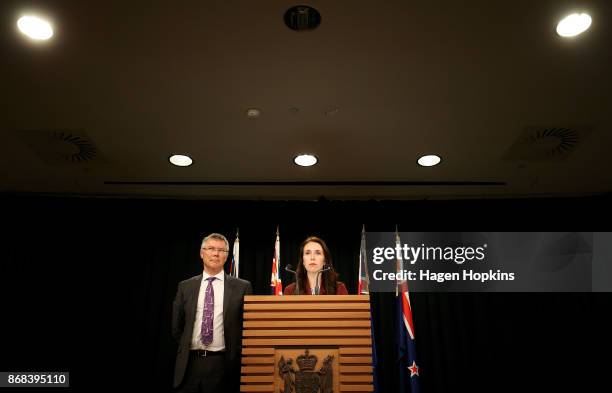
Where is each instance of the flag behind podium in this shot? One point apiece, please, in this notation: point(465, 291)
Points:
point(235, 266)
point(407, 362)
point(364, 289)
point(276, 286)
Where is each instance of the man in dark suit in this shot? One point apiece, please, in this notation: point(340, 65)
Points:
point(207, 324)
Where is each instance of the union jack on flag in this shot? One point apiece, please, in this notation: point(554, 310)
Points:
point(407, 362)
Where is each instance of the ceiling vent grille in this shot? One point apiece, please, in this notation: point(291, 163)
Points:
point(547, 143)
point(56, 147)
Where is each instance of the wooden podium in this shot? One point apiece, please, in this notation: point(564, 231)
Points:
point(311, 344)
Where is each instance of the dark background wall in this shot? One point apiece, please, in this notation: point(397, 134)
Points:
point(87, 286)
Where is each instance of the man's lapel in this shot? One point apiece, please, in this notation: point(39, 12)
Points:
point(193, 296)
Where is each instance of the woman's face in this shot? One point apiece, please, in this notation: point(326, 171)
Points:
point(313, 257)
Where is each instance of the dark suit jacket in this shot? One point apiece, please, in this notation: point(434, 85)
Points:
point(183, 319)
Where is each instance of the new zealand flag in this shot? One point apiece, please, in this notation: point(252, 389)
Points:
point(407, 362)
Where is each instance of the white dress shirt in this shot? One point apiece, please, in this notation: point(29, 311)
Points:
point(218, 342)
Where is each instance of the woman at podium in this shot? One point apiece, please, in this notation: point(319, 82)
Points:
point(315, 271)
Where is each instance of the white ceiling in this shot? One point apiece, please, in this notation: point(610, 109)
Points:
point(463, 79)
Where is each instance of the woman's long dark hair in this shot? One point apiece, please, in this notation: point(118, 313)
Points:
point(329, 278)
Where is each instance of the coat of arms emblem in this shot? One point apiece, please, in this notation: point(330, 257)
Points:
point(306, 379)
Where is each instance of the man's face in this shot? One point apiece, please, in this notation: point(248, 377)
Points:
point(212, 256)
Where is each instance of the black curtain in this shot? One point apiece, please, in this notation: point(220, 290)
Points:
point(88, 283)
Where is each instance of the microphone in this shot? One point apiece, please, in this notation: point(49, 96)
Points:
point(315, 291)
point(288, 268)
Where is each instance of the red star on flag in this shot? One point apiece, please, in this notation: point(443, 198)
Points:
point(414, 369)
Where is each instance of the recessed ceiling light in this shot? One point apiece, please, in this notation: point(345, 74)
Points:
point(180, 160)
point(332, 111)
point(253, 112)
point(302, 18)
point(305, 160)
point(35, 27)
point(574, 24)
point(429, 160)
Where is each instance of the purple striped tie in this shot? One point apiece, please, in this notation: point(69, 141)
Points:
point(208, 315)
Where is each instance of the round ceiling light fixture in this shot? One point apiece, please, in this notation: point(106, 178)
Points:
point(253, 113)
point(180, 160)
point(429, 160)
point(574, 24)
point(34, 27)
point(305, 160)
